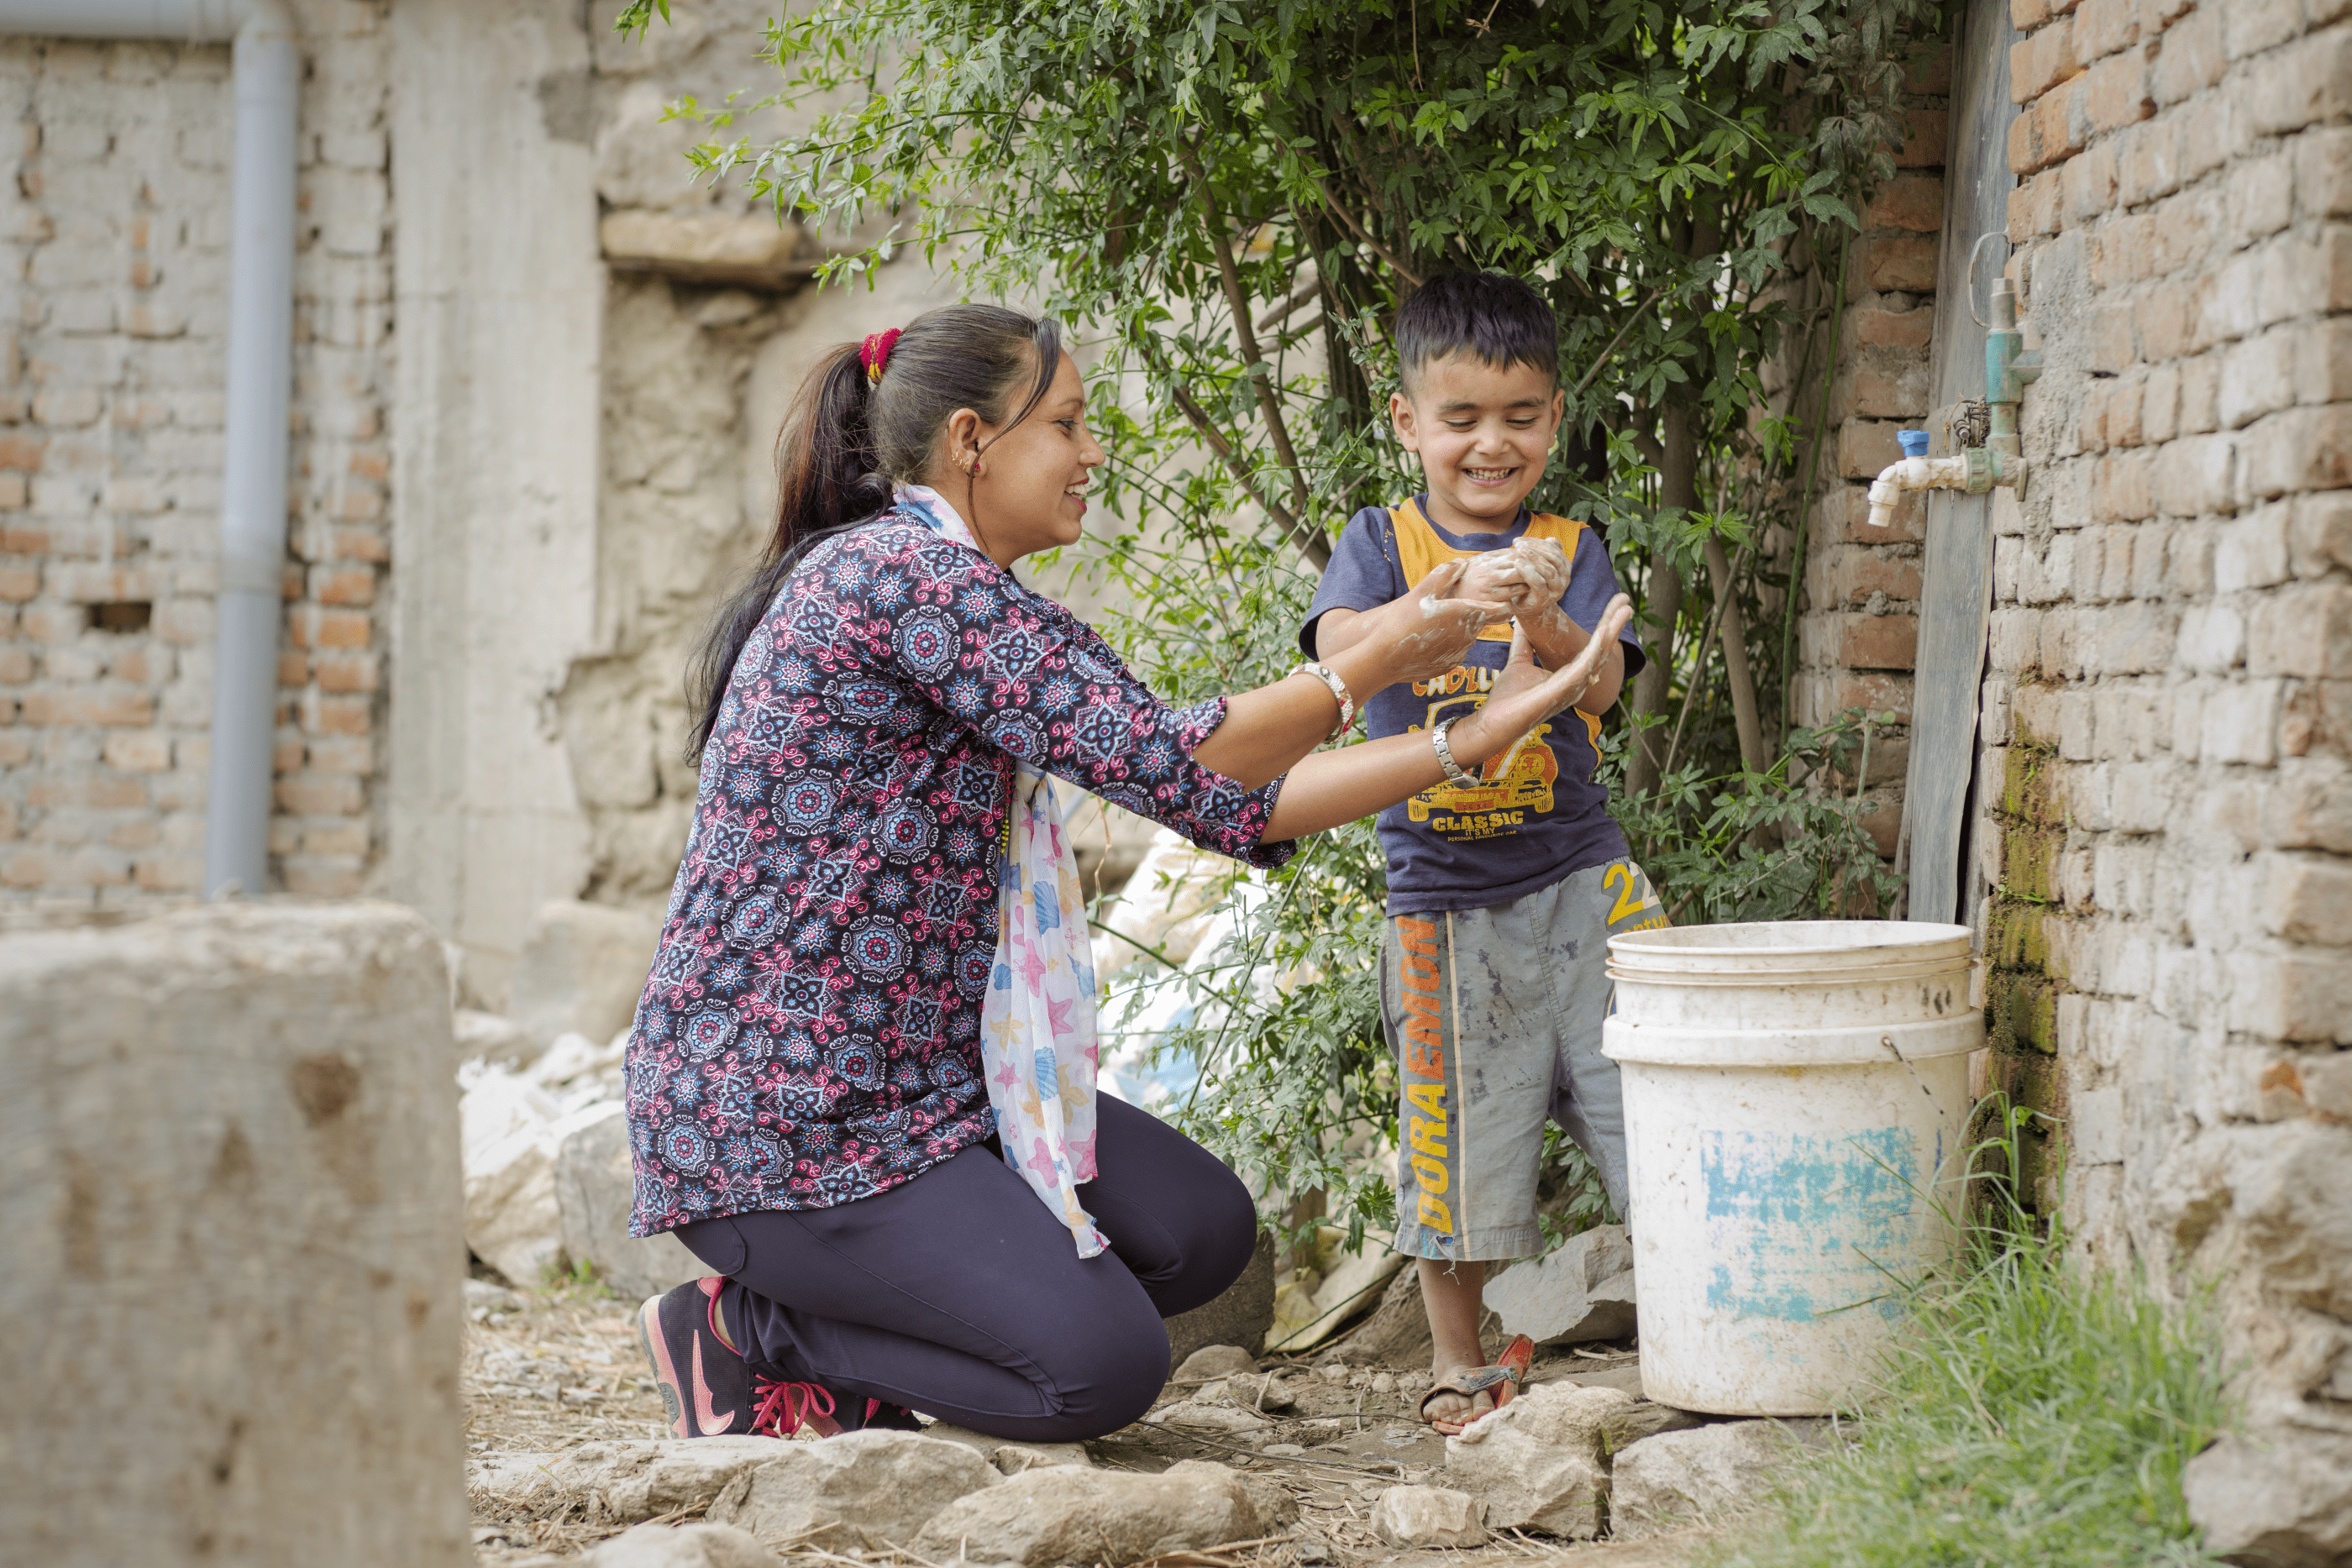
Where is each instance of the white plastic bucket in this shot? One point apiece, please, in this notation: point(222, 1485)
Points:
point(1796, 1103)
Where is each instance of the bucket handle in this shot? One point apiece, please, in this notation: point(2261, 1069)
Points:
point(1888, 1041)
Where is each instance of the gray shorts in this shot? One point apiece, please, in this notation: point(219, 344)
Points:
point(1494, 1016)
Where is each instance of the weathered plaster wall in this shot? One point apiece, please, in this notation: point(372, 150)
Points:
point(2168, 812)
point(113, 292)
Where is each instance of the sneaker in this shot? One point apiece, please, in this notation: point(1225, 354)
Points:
point(783, 1409)
point(706, 1387)
point(710, 1391)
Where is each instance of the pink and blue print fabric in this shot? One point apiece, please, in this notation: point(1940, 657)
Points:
point(810, 1034)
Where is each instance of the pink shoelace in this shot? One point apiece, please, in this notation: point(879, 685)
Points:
point(785, 1408)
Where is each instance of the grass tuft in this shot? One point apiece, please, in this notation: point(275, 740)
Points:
point(2030, 1413)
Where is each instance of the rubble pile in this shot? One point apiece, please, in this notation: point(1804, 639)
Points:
point(1246, 1461)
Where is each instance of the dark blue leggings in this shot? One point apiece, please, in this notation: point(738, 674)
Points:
point(960, 1295)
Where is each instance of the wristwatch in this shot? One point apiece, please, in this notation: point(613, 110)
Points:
point(1438, 744)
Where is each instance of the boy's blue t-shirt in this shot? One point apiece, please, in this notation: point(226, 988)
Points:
point(1474, 846)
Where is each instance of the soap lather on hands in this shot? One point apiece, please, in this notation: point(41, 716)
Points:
point(1528, 578)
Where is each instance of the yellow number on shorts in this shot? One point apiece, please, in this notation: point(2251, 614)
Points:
point(1629, 900)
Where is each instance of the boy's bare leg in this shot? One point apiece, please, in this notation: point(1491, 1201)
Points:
point(1454, 1296)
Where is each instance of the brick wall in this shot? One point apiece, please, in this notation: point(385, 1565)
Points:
point(2167, 813)
point(112, 316)
point(1858, 629)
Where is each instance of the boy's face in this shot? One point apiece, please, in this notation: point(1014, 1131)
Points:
point(1483, 432)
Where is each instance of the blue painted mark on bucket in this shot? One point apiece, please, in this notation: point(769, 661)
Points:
point(1793, 1218)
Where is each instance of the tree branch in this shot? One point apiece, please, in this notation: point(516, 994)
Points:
point(1310, 541)
point(1269, 405)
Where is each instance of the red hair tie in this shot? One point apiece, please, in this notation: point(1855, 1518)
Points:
point(875, 355)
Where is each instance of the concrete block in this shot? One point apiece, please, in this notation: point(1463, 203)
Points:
point(2308, 83)
point(2252, 552)
point(2306, 629)
point(2040, 62)
point(230, 1145)
point(2258, 376)
point(2242, 726)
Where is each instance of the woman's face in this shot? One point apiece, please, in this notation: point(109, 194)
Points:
point(1029, 490)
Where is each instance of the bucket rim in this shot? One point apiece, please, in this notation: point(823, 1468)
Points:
point(1903, 941)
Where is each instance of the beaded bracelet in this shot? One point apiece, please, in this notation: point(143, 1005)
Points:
point(1437, 743)
point(1331, 678)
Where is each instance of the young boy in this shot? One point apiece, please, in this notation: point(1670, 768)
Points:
point(1503, 889)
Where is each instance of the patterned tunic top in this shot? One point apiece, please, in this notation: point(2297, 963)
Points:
point(810, 1034)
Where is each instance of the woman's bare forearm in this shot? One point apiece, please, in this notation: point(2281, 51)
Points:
point(1268, 730)
point(1335, 787)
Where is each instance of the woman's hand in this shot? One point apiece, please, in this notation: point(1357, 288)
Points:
point(1524, 695)
point(1427, 631)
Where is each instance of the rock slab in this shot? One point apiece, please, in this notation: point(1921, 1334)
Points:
point(228, 1176)
point(2275, 1497)
point(1238, 1317)
point(1697, 1476)
point(625, 1481)
point(582, 968)
point(858, 1489)
point(1419, 1517)
point(1107, 1517)
point(1539, 1462)
point(1214, 1361)
point(1582, 1291)
point(1010, 1458)
point(686, 1546)
point(594, 1189)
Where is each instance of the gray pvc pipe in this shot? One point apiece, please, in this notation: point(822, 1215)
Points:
point(268, 78)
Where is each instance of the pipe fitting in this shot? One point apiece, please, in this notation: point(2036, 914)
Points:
point(1914, 473)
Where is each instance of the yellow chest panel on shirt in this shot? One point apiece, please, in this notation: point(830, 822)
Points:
point(1420, 550)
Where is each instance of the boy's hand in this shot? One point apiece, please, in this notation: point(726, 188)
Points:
point(1529, 577)
point(1545, 566)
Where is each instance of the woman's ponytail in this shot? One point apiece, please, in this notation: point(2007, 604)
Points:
point(854, 432)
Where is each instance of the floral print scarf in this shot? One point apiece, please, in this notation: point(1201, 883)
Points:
point(1038, 1049)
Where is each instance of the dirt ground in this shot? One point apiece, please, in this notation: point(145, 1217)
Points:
point(552, 1370)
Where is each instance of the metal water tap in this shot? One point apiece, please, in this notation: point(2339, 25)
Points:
point(2009, 367)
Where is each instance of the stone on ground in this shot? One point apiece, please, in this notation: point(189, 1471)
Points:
point(1007, 1457)
point(228, 1177)
point(1194, 1417)
point(512, 1221)
point(1215, 1361)
point(1108, 1517)
point(582, 968)
point(1539, 1461)
point(1238, 1317)
point(1582, 1291)
point(2275, 1497)
point(684, 1546)
point(858, 1489)
point(627, 1481)
point(1698, 1477)
point(594, 1188)
point(1419, 1517)
point(491, 1038)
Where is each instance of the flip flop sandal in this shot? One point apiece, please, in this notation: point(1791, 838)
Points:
point(1502, 1379)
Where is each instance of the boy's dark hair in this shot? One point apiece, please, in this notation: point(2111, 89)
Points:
point(1493, 315)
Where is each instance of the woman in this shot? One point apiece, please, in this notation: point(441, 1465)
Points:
point(810, 1092)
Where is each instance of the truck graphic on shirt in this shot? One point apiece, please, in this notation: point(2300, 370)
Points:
point(1503, 794)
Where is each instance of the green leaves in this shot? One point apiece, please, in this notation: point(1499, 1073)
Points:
point(1647, 164)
